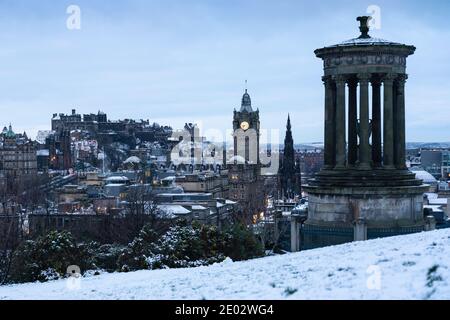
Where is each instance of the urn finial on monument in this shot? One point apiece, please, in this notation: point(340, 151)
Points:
point(364, 26)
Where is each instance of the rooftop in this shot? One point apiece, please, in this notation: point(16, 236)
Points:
point(365, 40)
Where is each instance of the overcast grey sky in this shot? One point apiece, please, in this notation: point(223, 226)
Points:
point(186, 61)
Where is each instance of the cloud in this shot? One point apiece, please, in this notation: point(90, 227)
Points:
point(178, 60)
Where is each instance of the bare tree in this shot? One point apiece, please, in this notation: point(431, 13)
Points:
point(9, 241)
point(140, 210)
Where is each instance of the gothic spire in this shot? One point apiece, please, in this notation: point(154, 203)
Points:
point(288, 139)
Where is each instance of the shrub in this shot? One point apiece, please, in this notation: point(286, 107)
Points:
point(184, 246)
point(48, 257)
point(241, 244)
point(187, 246)
point(134, 256)
point(105, 256)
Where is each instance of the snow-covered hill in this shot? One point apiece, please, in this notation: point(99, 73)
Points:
point(406, 267)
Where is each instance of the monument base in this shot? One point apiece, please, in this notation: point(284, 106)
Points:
point(376, 206)
point(386, 202)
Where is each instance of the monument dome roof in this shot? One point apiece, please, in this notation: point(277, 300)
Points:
point(364, 40)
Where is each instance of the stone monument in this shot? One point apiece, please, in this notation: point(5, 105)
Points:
point(364, 178)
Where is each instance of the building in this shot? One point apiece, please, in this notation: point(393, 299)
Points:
point(244, 168)
point(431, 161)
point(364, 181)
point(206, 182)
point(201, 207)
point(289, 175)
point(445, 165)
point(106, 131)
point(311, 161)
point(17, 154)
point(55, 151)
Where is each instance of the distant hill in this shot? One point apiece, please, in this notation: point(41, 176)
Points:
point(418, 145)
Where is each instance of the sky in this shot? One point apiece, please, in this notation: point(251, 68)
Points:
point(178, 61)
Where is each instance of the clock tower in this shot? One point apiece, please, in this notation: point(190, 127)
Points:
point(244, 169)
point(246, 129)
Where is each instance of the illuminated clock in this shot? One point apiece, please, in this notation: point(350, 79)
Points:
point(245, 126)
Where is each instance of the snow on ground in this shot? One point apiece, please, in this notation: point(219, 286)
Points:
point(408, 267)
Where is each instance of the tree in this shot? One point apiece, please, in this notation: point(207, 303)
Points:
point(48, 255)
point(140, 210)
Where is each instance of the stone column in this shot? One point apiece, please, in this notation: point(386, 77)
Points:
point(364, 135)
point(340, 122)
point(400, 147)
point(430, 223)
point(360, 230)
point(388, 129)
point(330, 129)
point(295, 233)
point(376, 122)
point(352, 122)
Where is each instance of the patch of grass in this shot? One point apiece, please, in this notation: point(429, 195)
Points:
point(433, 276)
point(383, 260)
point(344, 269)
point(290, 291)
point(409, 263)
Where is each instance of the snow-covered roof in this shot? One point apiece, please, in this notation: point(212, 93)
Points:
point(115, 185)
point(425, 176)
point(238, 159)
point(133, 159)
point(366, 42)
point(197, 207)
point(438, 201)
point(117, 178)
point(433, 208)
point(174, 209)
point(43, 153)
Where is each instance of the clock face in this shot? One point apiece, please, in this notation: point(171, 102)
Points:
point(245, 126)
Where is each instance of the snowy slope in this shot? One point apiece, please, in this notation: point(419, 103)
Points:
point(405, 266)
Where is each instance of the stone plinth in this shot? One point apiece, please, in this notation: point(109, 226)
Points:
point(389, 206)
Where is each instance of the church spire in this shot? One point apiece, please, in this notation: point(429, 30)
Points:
point(289, 172)
point(288, 139)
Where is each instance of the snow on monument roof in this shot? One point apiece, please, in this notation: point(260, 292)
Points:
point(366, 42)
